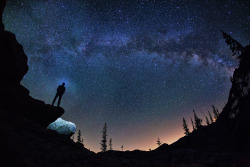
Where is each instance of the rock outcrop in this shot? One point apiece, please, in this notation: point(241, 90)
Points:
point(63, 127)
point(25, 143)
point(24, 137)
point(2, 5)
point(236, 113)
point(227, 141)
point(14, 97)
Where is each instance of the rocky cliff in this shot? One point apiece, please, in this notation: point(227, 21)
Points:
point(14, 97)
point(227, 141)
point(24, 137)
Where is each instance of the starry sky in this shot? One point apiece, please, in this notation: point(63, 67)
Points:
point(138, 65)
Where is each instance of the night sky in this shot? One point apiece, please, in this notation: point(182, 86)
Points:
point(138, 65)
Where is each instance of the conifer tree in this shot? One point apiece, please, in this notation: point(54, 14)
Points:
point(197, 120)
point(207, 120)
point(193, 124)
point(210, 116)
point(79, 137)
point(158, 142)
point(235, 46)
point(185, 127)
point(110, 144)
point(104, 139)
point(216, 113)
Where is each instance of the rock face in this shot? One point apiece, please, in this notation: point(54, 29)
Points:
point(236, 113)
point(227, 141)
point(14, 97)
point(13, 64)
point(239, 92)
point(24, 139)
point(63, 127)
point(26, 143)
point(2, 5)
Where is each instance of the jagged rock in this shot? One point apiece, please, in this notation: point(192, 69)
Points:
point(63, 127)
point(14, 97)
point(240, 87)
point(226, 141)
point(13, 64)
point(235, 114)
point(2, 5)
point(25, 143)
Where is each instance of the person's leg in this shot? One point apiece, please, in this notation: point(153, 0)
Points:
point(54, 99)
point(59, 101)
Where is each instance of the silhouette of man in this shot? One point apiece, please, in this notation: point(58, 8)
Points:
point(59, 93)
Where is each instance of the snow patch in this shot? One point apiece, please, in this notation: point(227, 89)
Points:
point(62, 127)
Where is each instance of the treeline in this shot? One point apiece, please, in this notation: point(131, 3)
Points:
point(197, 122)
point(105, 145)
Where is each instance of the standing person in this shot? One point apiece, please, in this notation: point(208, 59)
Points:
point(60, 92)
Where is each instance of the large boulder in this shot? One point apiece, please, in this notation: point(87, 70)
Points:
point(63, 127)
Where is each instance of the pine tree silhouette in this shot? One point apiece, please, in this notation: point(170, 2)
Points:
point(104, 139)
point(158, 142)
point(210, 116)
point(185, 127)
point(235, 46)
point(79, 137)
point(216, 112)
point(110, 144)
point(193, 124)
point(197, 121)
point(207, 120)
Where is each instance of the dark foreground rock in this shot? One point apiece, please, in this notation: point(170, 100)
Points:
point(25, 143)
point(13, 66)
point(15, 98)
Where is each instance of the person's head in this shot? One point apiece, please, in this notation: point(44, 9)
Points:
point(63, 84)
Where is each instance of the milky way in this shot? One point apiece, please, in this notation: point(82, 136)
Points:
point(140, 66)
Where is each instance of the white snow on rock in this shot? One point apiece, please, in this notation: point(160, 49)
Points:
point(63, 127)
